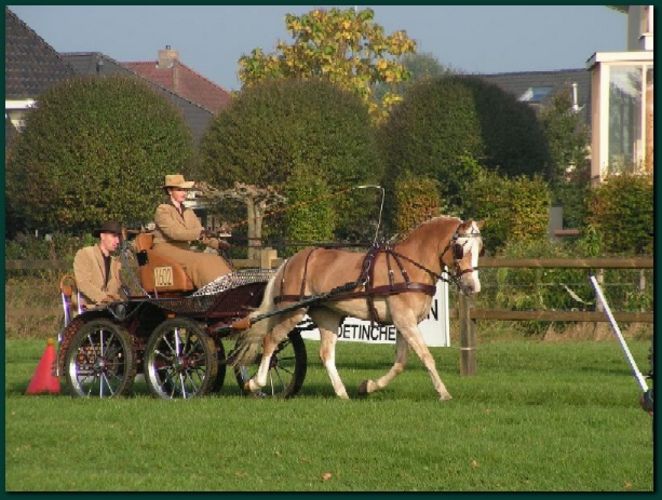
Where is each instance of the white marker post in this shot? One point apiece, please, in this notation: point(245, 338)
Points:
point(633, 366)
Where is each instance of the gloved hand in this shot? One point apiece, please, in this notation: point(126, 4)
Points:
point(210, 242)
point(215, 243)
point(111, 297)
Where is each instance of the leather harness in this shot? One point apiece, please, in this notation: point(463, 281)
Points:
point(366, 280)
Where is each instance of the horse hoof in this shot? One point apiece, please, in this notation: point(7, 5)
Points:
point(363, 388)
point(445, 397)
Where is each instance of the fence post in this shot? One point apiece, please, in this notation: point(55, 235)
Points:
point(467, 337)
point(267, 254)
point(600, 276)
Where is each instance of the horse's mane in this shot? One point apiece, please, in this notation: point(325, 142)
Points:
point(404, 237)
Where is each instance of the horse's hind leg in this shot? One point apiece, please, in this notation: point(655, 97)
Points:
point(269, 346)
point(327, 322)
point(368, 386)
point(408, 328)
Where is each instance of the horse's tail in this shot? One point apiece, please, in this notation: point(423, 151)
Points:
point(250, 340)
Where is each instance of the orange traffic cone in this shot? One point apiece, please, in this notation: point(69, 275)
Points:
point(43, 379)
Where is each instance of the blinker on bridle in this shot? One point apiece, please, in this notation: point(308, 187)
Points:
point(457, 250)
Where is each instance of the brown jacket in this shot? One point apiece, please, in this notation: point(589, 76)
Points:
point(176, 229)
point(171, 238)
point(90, 275)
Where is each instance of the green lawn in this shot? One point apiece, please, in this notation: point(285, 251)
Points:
point(538, 416)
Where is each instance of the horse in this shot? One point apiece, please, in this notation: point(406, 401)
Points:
point(395, 285)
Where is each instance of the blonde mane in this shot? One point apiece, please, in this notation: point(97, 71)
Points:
point(402, 237)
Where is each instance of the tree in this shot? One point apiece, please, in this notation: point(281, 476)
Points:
point(310, 217)
point(420, 67)
point(345, 46)
point(444, 124)
point(256, 201)
point(621, 211)
point(569, 168)
point(416, 200)
point(95, 149)
point(514, 208)
point(567, 136)
point(273, 126)
point(429, 134)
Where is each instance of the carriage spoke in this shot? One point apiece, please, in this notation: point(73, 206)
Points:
point(189, 376)
point(181, 381)
point(280, 379)
point(286, 369)
point(167, 342)
point(178, 342)
point(110, 388)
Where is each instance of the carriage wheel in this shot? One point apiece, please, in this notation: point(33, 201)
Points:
point(180, 360)
point(287, 369)
point(100, 360)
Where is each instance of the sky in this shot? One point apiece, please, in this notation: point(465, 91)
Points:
point(211, 39)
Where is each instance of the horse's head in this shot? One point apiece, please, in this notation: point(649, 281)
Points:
point(461, 256)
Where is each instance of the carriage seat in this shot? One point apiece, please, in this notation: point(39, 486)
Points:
point(72, 303)
point(159, 273)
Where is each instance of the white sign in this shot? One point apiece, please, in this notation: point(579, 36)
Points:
point(434, 328)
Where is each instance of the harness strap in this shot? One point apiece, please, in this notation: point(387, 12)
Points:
point(373, 253)
point(378, 291)
point(305, 272)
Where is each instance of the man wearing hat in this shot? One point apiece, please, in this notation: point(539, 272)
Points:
point(97, 272)
point(178, 226)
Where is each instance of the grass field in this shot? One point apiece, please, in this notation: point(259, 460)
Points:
point(538, 416)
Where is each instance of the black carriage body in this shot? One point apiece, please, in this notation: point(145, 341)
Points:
point(140, 316)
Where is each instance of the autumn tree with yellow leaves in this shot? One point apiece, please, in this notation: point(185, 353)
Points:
point(344, 45)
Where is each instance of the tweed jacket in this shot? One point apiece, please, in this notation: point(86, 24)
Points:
point(90, 275)
point(176, 229)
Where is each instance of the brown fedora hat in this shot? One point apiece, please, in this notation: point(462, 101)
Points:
point(177, 181)
point(109, 227)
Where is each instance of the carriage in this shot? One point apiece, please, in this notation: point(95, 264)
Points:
point(168, 332)
point(174, 335)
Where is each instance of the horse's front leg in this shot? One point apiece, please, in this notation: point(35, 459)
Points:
point(408, 328)
point(327, 322)
point(368, 386)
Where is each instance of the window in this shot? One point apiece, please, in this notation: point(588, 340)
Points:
point(624, 118)
point(535, 94)
point(630, 118)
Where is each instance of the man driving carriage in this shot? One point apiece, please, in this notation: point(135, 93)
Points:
point(177, 226)
point(97, 272)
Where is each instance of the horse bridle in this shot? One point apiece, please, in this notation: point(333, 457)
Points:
point(457, 248)
point(458, 254)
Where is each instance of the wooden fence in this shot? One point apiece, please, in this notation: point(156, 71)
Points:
point(467, 315)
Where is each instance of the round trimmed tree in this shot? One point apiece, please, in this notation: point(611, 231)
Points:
point(95, 149)
point(445, 123)
point(275, 125)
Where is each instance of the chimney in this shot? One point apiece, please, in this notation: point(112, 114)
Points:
point(575, 103)
point(167, 57)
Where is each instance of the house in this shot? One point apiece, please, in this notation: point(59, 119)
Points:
point(536, 88)
point(170, 73)
point(31, 67)
point(622, 100)
point(196, 116)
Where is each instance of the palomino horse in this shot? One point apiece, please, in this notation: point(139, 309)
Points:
point(394, 285)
